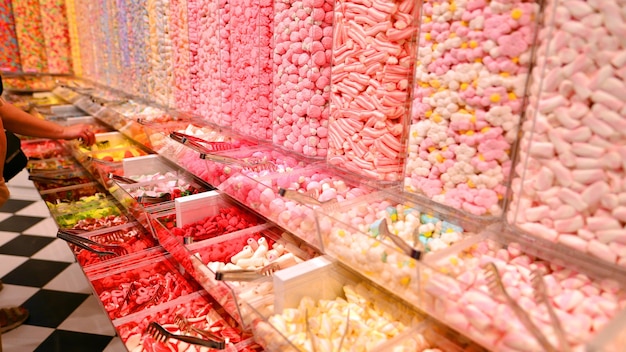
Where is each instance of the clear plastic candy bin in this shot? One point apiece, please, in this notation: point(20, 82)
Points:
point(461, 289)
point(384, 236)
point(343, 311)
point(290, 198)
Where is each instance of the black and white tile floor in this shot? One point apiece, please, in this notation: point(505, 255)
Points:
point(40, 273)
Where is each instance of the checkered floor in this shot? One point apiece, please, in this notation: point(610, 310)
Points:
point(39, 272)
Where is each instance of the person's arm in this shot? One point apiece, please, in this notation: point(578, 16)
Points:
point(21, 122)
point(4, 190)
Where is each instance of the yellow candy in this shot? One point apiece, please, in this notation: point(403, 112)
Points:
point(478, 60)
point(471, 184)
point(464, 23)
point(516, 14)
point(435, 83)
point(428, 234)
point(405, 281)
point(464, 86)
point(428, 113)
point(414, 134)
point(423, 84)
point(427, 19)
point(495, 98)
point(504, 74)
point(485, 129)
point(431, 149)
point(469, 133)
point(473, 118)
point(452, 7)
point(440, 158)
point(452, 35)
point(427, 36)
point(515, 60)
point(481, 157)
point(512, 96)
point(436, 118)
point(341, 233)
point(454, 261)
point(473, 44)
point(463, 45)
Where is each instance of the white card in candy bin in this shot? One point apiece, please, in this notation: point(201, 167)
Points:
point(193, 208)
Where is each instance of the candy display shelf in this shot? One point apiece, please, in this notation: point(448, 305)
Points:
point(430, 257)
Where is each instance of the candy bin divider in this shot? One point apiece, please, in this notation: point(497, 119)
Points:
point(530, 109)
point(99, 270)
point(73, 187)
point(501, 237)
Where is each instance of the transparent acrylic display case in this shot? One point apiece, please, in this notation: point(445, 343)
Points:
point(373, 59)
point(289, 199)
point(385, 236)
point(568, 184)
point(469, 94)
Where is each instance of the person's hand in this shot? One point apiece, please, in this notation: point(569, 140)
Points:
point(4, 192)
point(83, 132)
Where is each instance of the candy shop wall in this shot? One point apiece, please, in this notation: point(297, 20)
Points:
point(505, 112)
point(35, 36)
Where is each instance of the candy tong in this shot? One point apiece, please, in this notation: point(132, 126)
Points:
point(310, 199)
point(251, 164)
point(247, 274)
point(121, 179)
point(185, 325)
point(161, 334)
point(383, 230)
point(499, 291)
point(541, 296)
point(199, 144)
point(113, 250)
